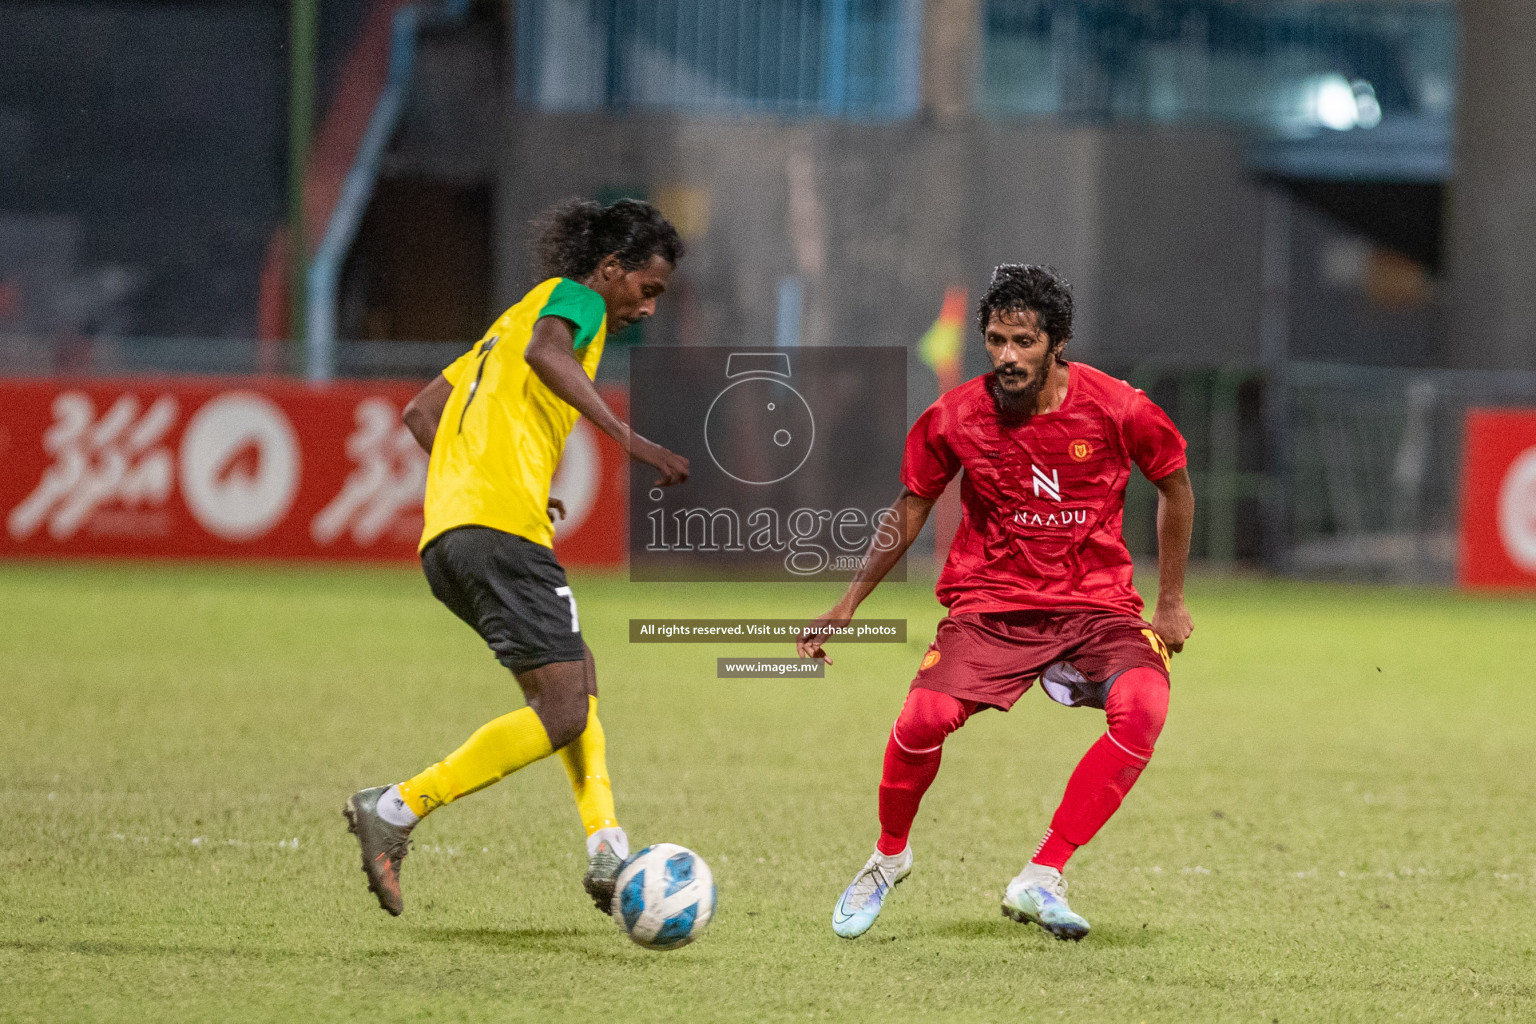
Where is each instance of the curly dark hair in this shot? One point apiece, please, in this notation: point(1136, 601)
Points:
point(574, 237)
point(1017, 287)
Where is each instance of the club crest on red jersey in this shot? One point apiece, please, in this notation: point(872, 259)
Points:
point(1079, 450)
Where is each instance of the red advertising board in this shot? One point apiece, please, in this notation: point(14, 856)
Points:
point(1498, 499)
point(248, 468)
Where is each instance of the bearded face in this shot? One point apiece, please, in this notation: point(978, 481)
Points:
point(1022, 356)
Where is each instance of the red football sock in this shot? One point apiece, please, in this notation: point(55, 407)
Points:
point(1053, 851)
point(1136, 709)
point(912, 760)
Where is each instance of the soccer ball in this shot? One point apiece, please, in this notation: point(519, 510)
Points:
point(665, 896)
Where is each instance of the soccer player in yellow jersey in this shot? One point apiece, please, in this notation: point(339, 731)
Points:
point(495, 423)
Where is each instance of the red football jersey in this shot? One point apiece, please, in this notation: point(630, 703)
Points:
point(1041, 502)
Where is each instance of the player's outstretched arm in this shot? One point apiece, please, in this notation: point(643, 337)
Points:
point(911, 513)
point(549, 355)
point(424, 412)
point(1175, 523)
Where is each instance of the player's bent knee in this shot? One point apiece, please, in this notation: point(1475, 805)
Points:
point(557, 693)
point(926, 719)
point(1137, 708)
point(563, 720)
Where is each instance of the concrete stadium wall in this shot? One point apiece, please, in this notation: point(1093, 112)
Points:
point(1493, 194)
point(1157, 229)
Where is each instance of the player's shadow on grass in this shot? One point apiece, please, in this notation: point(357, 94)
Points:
point(578, 941)
point(1106, 935)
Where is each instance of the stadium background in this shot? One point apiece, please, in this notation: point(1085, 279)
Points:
point(1273, 215)
point(1304, 227)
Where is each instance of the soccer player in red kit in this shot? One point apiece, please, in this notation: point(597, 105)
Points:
point(1037, 583)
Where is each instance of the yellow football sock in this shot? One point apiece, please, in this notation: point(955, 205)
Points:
point(497, 749)
point(586, 762)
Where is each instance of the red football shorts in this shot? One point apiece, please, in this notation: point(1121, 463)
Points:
point(994, 657)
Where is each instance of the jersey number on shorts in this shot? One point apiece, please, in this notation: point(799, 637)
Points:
point(565, 592)
point(1157, 645)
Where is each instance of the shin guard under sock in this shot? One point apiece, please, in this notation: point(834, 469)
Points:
point(912, 756)
point(586, 764)
point(1136, 709)
point(495, 750)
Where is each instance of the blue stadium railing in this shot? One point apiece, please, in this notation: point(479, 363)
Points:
point(842, 58)
point(1157, 60)
point(1180, 60)
point(324, 273)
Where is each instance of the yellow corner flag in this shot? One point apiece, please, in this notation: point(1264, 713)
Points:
point(940, 347)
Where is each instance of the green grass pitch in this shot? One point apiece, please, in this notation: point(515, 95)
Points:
point(1340, 823)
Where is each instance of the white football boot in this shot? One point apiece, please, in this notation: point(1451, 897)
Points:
point(1038, 894)
point(860, 903)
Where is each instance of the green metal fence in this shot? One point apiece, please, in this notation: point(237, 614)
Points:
point(1219, 411)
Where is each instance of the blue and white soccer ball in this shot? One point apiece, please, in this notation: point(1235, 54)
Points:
point(665, 896)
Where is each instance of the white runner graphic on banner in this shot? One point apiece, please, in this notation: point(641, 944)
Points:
point(389, 480)
point(114, 460)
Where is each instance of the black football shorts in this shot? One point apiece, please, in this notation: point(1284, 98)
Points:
point(510, 590)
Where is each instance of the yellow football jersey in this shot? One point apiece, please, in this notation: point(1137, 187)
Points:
point(503, 430)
